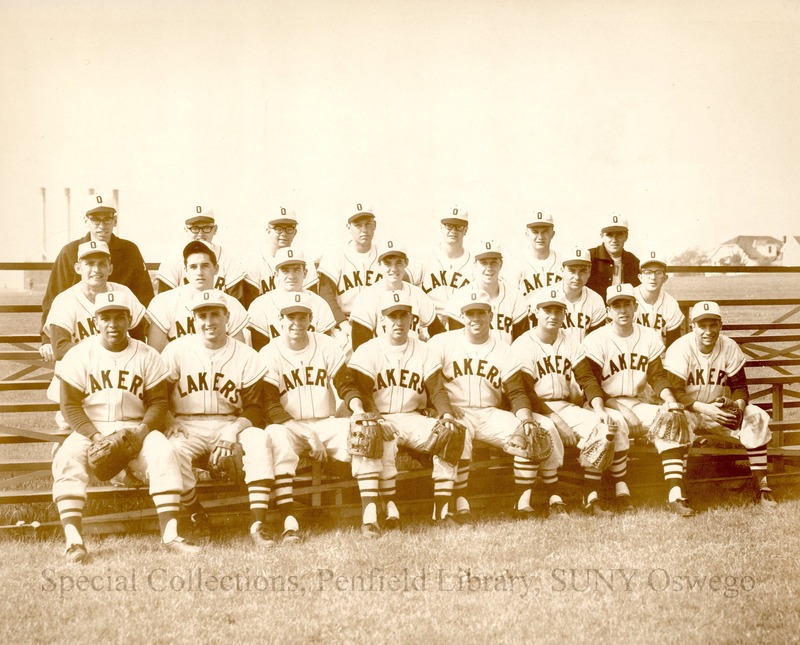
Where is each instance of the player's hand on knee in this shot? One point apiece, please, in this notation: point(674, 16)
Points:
point(316, 448)
point(635, 428)
point(46, 352)
point(458, 413)
point(567, 434)
point(230, 434)
point(222, 450)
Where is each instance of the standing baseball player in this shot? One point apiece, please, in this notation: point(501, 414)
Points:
point(448, 266)
point(215, 399)
point(655, 307)
point(621, 359)
point(508, 305)
point(706, 369)
point(230, 272)
point(549, 354)
point(170, 313)
point(264, 314)
point(303, 368)
point(395, 377)
point(540, 265)
point(126, 259)
point(611, 263)
point(109, 382)
point(366, 314)
point(478, 371)
point(261, 269)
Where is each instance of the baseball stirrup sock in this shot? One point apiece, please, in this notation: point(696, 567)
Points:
point(525, 472)
point(368, 489)
point(442, 496)
point(168, 505)
point(550, 481)
point(758, 460)
point(189, 500)
point(70, 510)
point(672, 462)
point(258, 493)
point(462, 476)
point(591, 480)
point(388, 490)
point(284, 494)
point(619, 466)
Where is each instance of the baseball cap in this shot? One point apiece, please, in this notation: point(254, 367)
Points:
point(92, 248)
point(392, 248)
point(98, 203)
point(476, 300)
point(545, 297)
point(540, 219)
point(577, 256)
point(619, 291)
point(110, 300)
point(705, 309)
point(201, 215)
point(209, 298)
point(489, 249)
point(654, 257)
point(287, 255)
point(199, 246)
point(614, 223)
point(395, 301)
point(283, 216)
point(457, 216)
point(296, 303)
point(361, 211)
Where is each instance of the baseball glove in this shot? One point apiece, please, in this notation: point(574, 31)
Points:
point(365, 438)
point(529, 441)
point(731, 408)
point(108, 456)
point(227, 467)
point(670, 425)
point(598, 450)
point(446, 440)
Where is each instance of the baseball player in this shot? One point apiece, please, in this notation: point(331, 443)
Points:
point(170, 313)
point(705, 368)
point(129, 267)
point(656, 308)
point(611, 263)
point(265, 311)
point(508, 305)
point(261, 269)
point(540, 266)
point(108, 382)
point(448, 266)
point(396, 377)
point(366, 314)
point(303, 368)
point(548, 355)
point(621, 358)
point(478, 371)
point(215, 399)
point(230, 273)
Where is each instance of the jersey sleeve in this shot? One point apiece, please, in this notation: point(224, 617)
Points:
point(330, 265)
point(427, 309)
point(312, 278)
point(158, 312)
point(171, 362)
point(676, 358)
point(364, 312)
point(270, 363)
point(324, 319)
point(334, 357)
point(239, 317)
point(155, 369)
point(734, 356)
point(597, 310)
point(253, 369)
point(674, 317)
point(363, 360)
point(72, 368)
point(257, 315)
point(654, 343)
point(61, 313)
point(593, 347)
point(170, 272)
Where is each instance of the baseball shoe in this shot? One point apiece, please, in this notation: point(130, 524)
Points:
point(447, 522)
point(464, 520)
point(595, 509)
point(201, 526)
point(77, 553)
point(181, 546)
point(391, 524)
point(559, 509)
point(624, 504)
point(370, 531)
point(765, 500)
point(680, 507)
point(290, 536)
point(261, 538)
point(526, 513)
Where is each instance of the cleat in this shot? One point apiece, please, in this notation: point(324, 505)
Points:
point(464, 520)
point(370, 531)
point(261, 538)
point(624, 504)
point(77, 553)
point(447, 522)
point(680, 507)
point(201, 526)
point(181, 546)
point(765, 500)
point(391, 524)
point(525, 513)
point(559, 509)
point(290, 536)
point(594, 508)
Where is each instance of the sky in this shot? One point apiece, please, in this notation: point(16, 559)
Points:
point(680, 116)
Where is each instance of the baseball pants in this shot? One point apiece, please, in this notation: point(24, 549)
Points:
point(583, 421)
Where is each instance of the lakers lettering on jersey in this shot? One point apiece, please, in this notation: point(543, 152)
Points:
point(367, 309)
point(265, 313)
point(587, 312)
point(706, 375)
point(538, 274)
point(663, 315)
point(550, 366)
point(351, 272)
point(440, 276)
point(171, 313)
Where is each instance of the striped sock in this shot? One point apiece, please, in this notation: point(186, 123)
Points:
point(525, 473)
point(550, 481)
point(189, 500)
point(368, 489)
point(462, 477)
point(388, 490)
point(284, 494)
point(672, 462)
point(258, 493)
point(758, 464)
point(70, 511)
point(591, 483)
point(168, 505)
point(442, 497)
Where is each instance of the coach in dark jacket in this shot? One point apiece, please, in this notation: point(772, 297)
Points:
point(611, 263)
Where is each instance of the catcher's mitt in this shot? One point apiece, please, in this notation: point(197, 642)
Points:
point(229, 466)
point(446, 440)
point(670, 425)
point(730, 407)
point(598, 450)
point(365, 438)
point(529, 441)
point(108, 456)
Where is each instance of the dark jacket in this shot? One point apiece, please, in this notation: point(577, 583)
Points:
point(603, 270)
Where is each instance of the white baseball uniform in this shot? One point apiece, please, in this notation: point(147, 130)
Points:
point(533, 273)
point(265, 313)
point(440, 276)
point(586, 312)
point(261, 270)
point(664, 315)
point(508, 308)
point(367, 308)
point(351, 272)
point(172, 271)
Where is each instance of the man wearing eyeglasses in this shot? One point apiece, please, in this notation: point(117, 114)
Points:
point(129, 267)
point(230, 277)
point(656, 308)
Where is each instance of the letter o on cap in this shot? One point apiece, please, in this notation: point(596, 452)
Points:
point(199, 209)
point(283, 211)
point(455, 211)
point(615, 219)
point(474, 296)
point(488, 246)
point(358, 206)
point(111, 297)
point(396, 297)
point(652, 254)
point(705, 306)
point(92, 245)
point(390, 244)
point(297, 298)
point(290, 253)
point(206, 295)
point(553, 294)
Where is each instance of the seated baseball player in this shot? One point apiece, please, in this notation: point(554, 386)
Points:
point(621, 358)
point(548, 354)
point(261, 269)
point(264, 314)
point(479, 371)
point(366, 314)
point(655, 307)
point(706, 370)
point(170, 313)
point(611, 263)
point(396, 378)
point(112, 382)
point(540, 265)
point(508, 305)
point(230, 272)
point(302, 369)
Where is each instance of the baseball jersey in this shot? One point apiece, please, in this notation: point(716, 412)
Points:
point(351, 272)
point(588, 311)
point(230, 272)
point(260, 272)
point(171, 312)
point(550, 366)
point(440, 276)
point(508, 308)
point(398, 373)
point(304, 378)
point(624, 360)
point(113, 382)
point(533, 273)
point(663, 316)
point(367, 309)
point(210, 381)
point(265, 313)
point(473, 374)
point(706, 375)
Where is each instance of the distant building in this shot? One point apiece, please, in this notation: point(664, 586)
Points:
point(790, 252)
point(747, 250)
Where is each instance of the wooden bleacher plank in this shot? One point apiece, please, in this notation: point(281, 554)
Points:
point(21, 386)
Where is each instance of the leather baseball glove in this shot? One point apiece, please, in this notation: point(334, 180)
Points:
point(225, 462)
point(670, 425)
point(365, 438)
point(730, 407)
point(109, 455)
point(446, 440)
point(598, 450)
point(529, 441)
